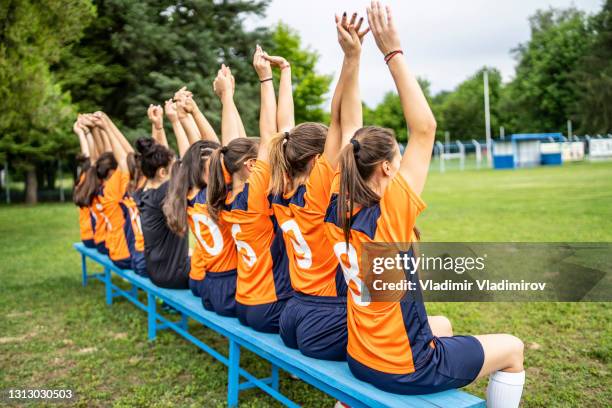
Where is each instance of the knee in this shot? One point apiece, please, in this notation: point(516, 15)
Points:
point(443, 327)
point(517, 353)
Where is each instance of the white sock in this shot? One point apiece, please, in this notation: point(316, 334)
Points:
point(505, 389)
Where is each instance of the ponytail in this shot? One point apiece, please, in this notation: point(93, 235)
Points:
point(217, 187)
point(278, 163)
point(87, 187)
point(186, 174)
point(224, 162)
point(133, 164)
point(291, 154)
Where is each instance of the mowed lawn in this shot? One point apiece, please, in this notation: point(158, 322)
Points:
point(55, 334)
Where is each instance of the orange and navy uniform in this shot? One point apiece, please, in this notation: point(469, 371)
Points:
point(389, 337)
point(115, 213)
point(86, 222)
point(263, 275)
point(98, 223)
point(214, 249)
point(137, 243)
point(313, 266)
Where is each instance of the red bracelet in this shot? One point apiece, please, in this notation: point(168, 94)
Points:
point(392, 54)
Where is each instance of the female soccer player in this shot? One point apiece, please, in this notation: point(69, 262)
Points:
point(120, 237)
point(213, 263)
point(87, 184)
point(263, 286)
point(391, 344)
point(303, 162)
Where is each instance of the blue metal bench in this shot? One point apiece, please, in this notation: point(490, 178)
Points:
point(333, 378)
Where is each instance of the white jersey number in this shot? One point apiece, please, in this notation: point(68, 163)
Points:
point(248, 254)
point(300, 246)
point(215, 233)
point(351, 273)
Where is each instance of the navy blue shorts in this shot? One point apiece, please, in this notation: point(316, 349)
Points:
point(196, 286)
point(139, 264)
point(264, 318)
point(219, 292)
point(123, 263)
point(102, 248)
point(316, 325)
point(454, 363)
point(89, 243)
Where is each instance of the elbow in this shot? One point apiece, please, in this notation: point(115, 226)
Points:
point(427, 129)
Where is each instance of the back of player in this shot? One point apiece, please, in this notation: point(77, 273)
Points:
point(84, 192)
point(263, 285)
point(213, 262)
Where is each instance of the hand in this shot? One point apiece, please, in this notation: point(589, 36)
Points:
point(77, 128)
point(276, 61)
point(261, 65)
point(85, 121)
point(383, 28)
point(187, 104)
point(350, 37)
point(155, 114)
point(228, 73)
point(170, 109)
point(223, 82)
point(97, 118)
point(182, 94)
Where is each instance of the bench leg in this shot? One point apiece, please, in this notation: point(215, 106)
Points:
point(134, 291)
point(233, 377)
point(152, 316)
point(184, 322)
point(109, 287)
point(274, 377)
point(84, 269)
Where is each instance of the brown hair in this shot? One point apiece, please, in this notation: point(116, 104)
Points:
point(186, 174)
point(87, 188)
point(369, 147)
point(133, 165)
point(291, 153)
point(232, 157)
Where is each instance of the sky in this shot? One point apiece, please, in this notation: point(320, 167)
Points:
point(444, 41)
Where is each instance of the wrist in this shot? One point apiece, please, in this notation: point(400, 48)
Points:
point(392, 55)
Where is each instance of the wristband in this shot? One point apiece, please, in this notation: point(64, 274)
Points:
point(261, 81)
point(392, 54)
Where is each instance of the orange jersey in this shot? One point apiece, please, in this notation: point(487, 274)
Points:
point(86, 224)
point(263, 275)
point(392, 337)
point(313, 266)
point(115, 214)
point(214, 249)
point(134, 237)
point(98, 223)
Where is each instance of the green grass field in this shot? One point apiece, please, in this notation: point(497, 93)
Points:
point(56, 334)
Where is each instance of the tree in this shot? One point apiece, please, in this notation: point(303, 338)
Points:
point(462, 110)
point(543, 93)
point(309, 87)
point(138, 53)
point(36, 114)
point(389, 113)
point(593, 77)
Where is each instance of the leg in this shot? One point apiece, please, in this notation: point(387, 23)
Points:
point(275, 377)
point(440, 326)
point(84, 269)
point(109, 288)
point(233, 377)
point(152, 316)
point(502, 352)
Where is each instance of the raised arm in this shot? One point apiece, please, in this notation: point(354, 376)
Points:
point(188, 122)
point(228, 72)
point(116, 133)
point(181, 137)
point(155, 113)
point(285, 118)
point(267, 112)
point(206, 130)
point(419, 118)
point(351, 115)
point(117, 147)
point(80, 132)
point(229, 122)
